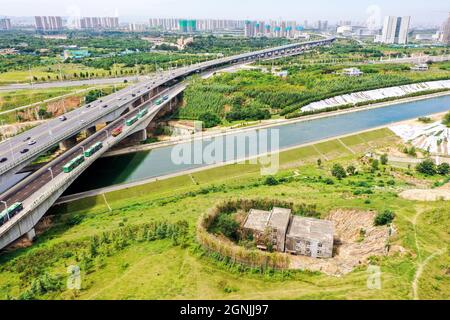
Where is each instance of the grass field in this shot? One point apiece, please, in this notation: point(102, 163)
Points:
point(50, 73)
point(160, 269)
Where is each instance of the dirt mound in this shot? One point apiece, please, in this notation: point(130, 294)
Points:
point(356, 239)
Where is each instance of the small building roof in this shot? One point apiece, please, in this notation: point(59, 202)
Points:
point(260, 219)
point(280, 218)
point(257, 219)
point(310, 228)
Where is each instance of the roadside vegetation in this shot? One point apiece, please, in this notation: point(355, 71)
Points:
point(61, 100)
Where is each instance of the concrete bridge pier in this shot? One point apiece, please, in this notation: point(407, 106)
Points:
point(68, 143)
point(31, 234)
point(138, 136)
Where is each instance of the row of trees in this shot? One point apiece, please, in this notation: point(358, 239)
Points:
point(429, 168)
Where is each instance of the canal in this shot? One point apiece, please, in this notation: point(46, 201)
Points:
point(158, 162)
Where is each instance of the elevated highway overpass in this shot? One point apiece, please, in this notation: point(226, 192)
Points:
point(41, 189)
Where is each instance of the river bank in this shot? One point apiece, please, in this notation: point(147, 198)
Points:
point(264, 125)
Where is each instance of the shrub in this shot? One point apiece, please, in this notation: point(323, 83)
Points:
point(375, 165)
point(427, 167)
point(384, 159)
point(226, 225)
point(271, 181)
point(443, 169)
point(351, 170)
point(209, 119)
point(446, 120)
point(384, 218)
point(338, 171)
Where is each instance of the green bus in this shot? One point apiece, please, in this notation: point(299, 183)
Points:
point(130, 122)
point(10, 212)
point(159, 101)
point(142, 113)
point(89, 152)
point(73, 164)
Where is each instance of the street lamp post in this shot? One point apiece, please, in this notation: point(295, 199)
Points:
point(51, 172)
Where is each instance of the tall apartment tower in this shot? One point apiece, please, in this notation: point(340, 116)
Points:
point(5, 24)
point(48, 23)
point(446, 31)
point(395, 30)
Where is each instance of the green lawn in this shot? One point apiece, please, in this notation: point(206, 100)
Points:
point(43, 73)
point(161, 270)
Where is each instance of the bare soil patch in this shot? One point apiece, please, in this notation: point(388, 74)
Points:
point(438, 194)
point(356, 239)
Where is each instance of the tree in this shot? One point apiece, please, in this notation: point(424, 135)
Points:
point(375, 165)
point(351, 170)
point(443, 169)
point(427, 167)
point(319, 162)
point(338, 171)
point(226, 225)
point(384, 218)
point(384, 159)
point(209, 119)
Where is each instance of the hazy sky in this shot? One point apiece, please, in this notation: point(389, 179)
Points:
point(423, 12)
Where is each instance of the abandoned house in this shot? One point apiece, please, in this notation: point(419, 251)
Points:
point(268, 227)
point(284, 232)
point(310, 237)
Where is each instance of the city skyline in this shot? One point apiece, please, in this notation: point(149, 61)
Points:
point(138, 10)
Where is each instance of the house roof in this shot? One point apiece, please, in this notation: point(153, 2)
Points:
point(280, 218)
point(257, 219)
point(260, 219)
point(310, 228)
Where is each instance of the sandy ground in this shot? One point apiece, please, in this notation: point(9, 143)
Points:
point(438, 194)
point(351, 249)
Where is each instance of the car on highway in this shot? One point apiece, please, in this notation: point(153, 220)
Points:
point(62, 118)
point(133, 95)
point(105, 106)
point(26, 139)
point(88, 106)
point(24, 150)
point(31, 142)
point(4, 159)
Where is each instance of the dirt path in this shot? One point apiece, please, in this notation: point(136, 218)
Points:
point(415, 284)
point(421, 263)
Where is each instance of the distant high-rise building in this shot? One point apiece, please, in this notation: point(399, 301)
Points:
point(5, 24)
point(249, 29)
point(136, 27)
point(48, 23)
point(186, 26)
point(446, 31)
point(395, 30)
point(93, 23)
